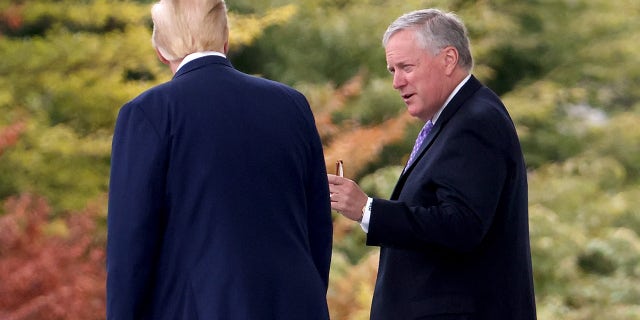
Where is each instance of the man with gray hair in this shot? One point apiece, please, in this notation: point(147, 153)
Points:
point(218, 198)
point(454, 237)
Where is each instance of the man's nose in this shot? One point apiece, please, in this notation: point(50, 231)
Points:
point(399, 80)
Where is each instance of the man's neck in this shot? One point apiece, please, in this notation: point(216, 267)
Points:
point(193, 56)
point(173, 65)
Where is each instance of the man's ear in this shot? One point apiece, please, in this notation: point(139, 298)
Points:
point(450, 59)
point(161, 57)
point(226, 47)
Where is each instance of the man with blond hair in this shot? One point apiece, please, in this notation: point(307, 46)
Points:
point(218, 200)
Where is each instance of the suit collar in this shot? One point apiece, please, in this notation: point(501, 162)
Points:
point(457, 89)
point(457, 101)
point(201, 62)
point(467, 90)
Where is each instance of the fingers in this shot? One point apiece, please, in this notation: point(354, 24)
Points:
point(336, 186)
point(340, 187)
point(346, 197)
point(333, 179)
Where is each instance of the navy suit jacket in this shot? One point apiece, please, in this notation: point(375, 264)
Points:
point(454, 237)
point(218, 202)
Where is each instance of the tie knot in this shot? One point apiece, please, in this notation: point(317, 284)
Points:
point(426, 128)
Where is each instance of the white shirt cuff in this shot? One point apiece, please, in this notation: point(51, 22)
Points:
point(366, 215)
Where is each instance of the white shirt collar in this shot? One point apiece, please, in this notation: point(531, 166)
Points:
point(453, 93)
point(192, 56)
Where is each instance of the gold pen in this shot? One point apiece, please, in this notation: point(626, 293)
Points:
point(339, 168)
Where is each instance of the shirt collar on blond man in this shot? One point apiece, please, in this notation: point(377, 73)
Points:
point(196, 55)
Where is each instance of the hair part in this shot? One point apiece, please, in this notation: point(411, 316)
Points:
point(182, 27)
point(435, 30)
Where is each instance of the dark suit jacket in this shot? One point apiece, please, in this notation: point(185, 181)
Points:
point(218, 203)
point(454, 237)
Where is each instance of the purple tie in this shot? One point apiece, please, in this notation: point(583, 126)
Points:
point(423, 134)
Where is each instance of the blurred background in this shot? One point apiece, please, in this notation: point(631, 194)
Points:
point(568, 71)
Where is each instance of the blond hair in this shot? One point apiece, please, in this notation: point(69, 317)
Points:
point(181, 27)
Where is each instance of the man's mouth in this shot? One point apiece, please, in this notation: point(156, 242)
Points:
point(407, 96)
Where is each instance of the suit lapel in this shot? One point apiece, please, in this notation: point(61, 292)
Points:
point(467, 90)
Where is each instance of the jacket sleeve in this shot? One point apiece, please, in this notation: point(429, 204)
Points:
point(320, 224)
point(451, 202)
point(135, 218)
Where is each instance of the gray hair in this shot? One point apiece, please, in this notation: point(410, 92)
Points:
point(435, 30)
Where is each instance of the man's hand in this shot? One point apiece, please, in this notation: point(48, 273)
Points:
point(346, 197)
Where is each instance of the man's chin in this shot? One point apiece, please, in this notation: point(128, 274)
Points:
point(412, 110)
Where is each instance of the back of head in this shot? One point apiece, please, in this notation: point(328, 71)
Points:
point(182, 27)
point(435, 30)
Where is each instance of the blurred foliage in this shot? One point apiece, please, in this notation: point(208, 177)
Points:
point(50, 269)
point(67, 68)
point(566, 69)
